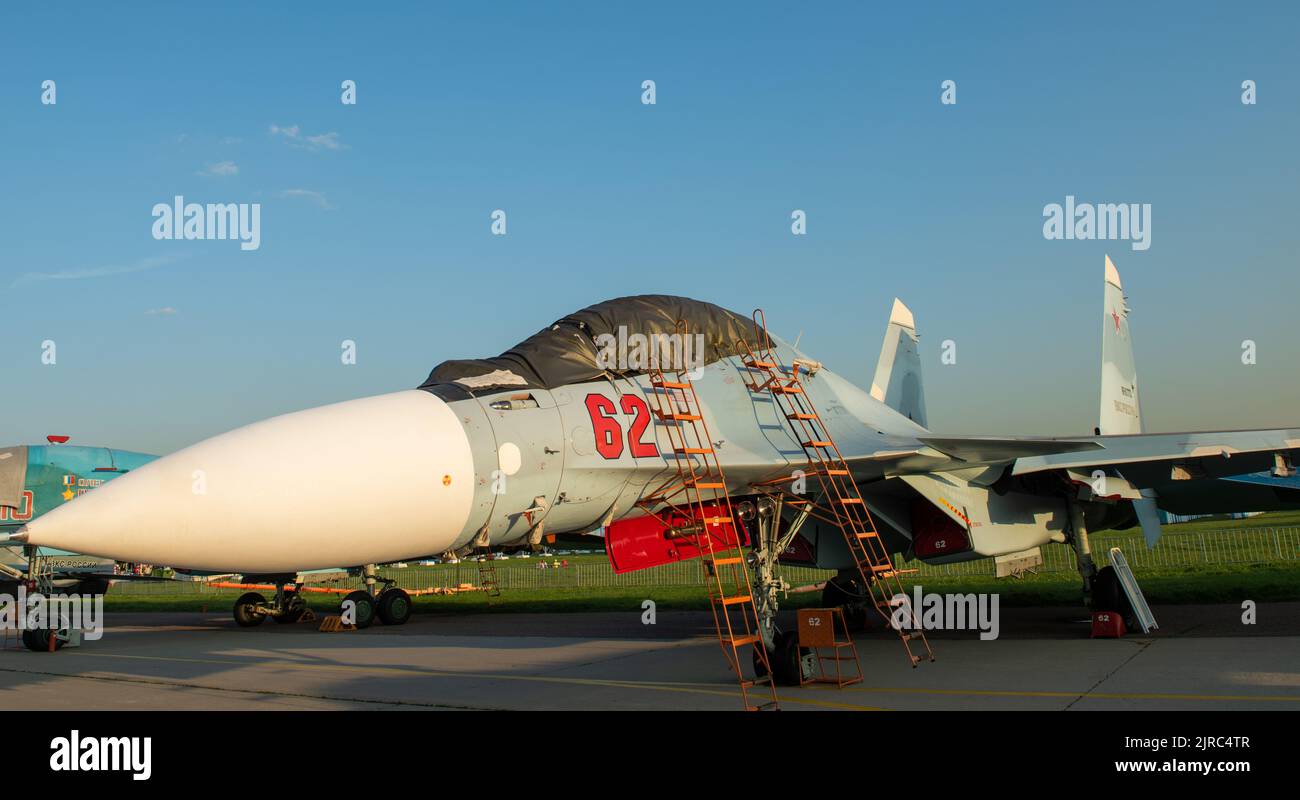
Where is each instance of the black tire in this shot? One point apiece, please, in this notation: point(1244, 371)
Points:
point(365, 608)
point(291, 614)
point(785, 661)
point(847, 595)
point(246, 613)
point(39, 640)
point(1107, 594)
point(760, 665)
point(394, 607)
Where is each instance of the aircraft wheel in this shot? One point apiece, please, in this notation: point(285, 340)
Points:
point(394, 607)
point(847, 594)
point(246, 613)
point(785, 661)
point(1108, 595)
point(39, 640)
point(291, 614)
point(365, 608)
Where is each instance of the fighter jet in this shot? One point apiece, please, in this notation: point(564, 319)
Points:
point(38, 478)
point(678, 429)
point(33, 480)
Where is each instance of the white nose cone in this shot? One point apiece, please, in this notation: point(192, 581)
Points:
point(365, 481)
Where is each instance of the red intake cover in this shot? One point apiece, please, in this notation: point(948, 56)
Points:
point(643, 542)
point(934, 533)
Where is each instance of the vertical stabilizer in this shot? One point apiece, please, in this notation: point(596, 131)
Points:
point(1121, 412)
point(898, 373)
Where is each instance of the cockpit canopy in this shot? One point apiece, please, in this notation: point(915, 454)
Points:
point(575, 348)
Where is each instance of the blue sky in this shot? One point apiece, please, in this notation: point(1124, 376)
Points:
point(380, 232)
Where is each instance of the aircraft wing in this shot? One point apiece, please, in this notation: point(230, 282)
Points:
point(1153, 458)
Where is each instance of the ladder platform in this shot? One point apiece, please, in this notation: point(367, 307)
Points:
point(736, 599)
point(670, 384)
point(694, 451)
point(786, 389)
point(801, 415)
point(705, 484)
point(741, 641)
point(756, 364)
point(680, 417)
point(725, 561)
point(818, 443)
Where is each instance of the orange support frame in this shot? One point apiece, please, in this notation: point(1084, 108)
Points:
point(821, 629)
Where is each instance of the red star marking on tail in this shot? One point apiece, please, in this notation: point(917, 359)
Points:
point(1115, 316)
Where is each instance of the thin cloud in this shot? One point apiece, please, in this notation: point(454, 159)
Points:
point(221, 169)
point(308, 195)
point(153, 262)
point(315, 143)
point(165, 311)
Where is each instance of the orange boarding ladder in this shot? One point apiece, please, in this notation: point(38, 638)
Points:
point(842, 503)
point(711, 523)
point(487, 577)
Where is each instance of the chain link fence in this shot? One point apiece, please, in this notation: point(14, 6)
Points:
point(1228, 546)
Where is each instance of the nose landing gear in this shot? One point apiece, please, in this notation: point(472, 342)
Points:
point(379, 599)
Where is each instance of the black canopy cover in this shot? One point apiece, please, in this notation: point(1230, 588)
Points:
point(568, 351)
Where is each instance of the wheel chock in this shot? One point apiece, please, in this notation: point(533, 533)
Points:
point(335, 624)
point(307, 616)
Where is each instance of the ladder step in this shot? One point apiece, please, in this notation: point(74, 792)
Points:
point(741, 641)
point(787, 390)
point(911, 636)
point(882, 568)
point(679, 417)
point(818, 443)
point(705, 484)
point(717, 520)
point(760, 364)
point(832, 472)
point(851, 501)
point(694, 451)
point(736, 599)
point(670, 384)
point(869, 535)
point(725, 561)
point(801, 416)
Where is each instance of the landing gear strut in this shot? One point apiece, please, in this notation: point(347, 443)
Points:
point(289, 605)
point(1082, 549)
point(380, 598)
point(783, 651)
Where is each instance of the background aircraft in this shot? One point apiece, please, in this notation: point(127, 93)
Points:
point(37, 478)
point(552, 436)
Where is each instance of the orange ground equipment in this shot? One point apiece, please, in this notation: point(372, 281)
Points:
point(822, 629)
point(680, 504)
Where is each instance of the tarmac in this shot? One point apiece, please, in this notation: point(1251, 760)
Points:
point(1202, 658)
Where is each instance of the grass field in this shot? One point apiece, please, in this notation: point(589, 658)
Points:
point(1226, 583)
point(1197, 562)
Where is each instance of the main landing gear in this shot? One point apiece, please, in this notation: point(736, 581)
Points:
point(380, 599)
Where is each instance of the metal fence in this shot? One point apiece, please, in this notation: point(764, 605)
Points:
point(1229, 546)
